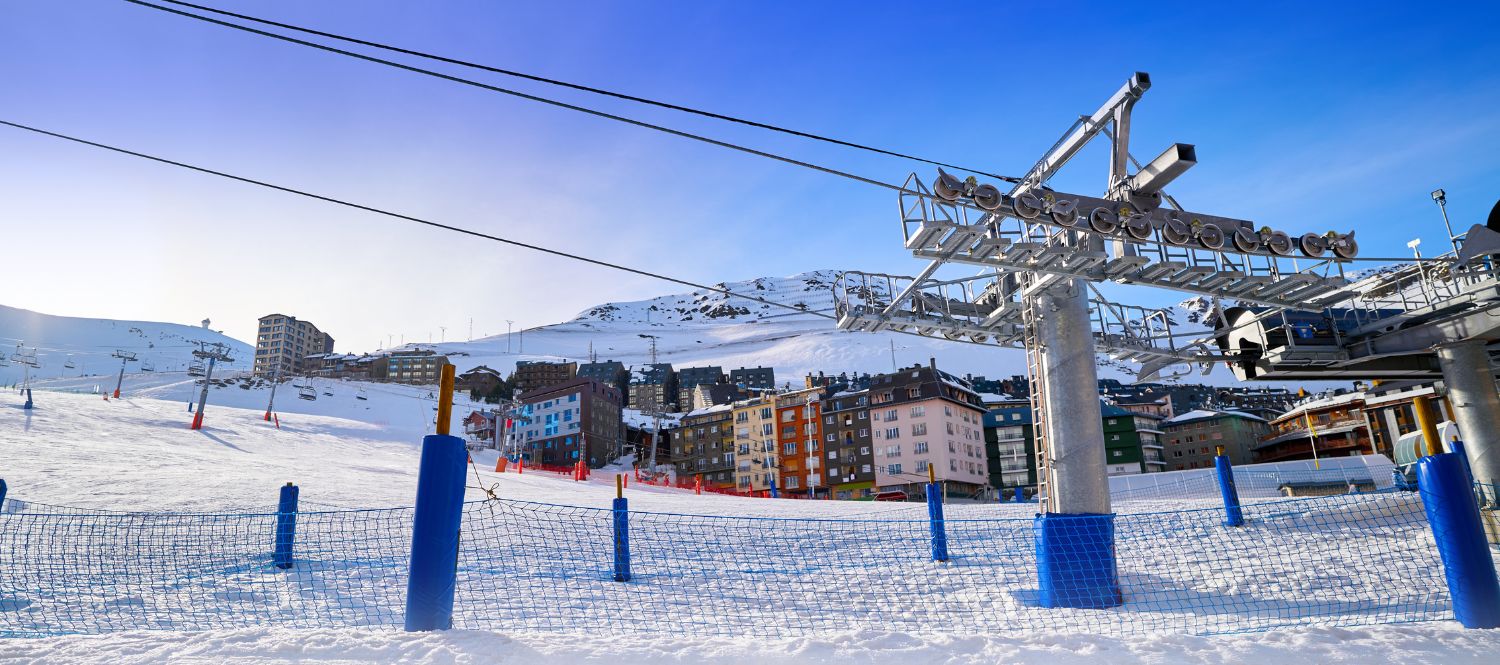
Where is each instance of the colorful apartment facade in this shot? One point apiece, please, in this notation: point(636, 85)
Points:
point(798, 443)
point(847, 445)
point(922, 417)
point(561, 424)
point(755, 444)
point(703, 446)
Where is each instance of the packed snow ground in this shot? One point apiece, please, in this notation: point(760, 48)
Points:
point(1424, 644)
point(137, 454)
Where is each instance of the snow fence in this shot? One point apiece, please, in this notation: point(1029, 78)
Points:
point(1351, 559)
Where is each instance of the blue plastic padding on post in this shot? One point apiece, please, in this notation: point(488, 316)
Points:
point(286, 525)
point(27, 405)
point(622, 539)
point(935, 522)
point(774, 493)
point(1448, 496)
point(433, 572)
point(2, 493)
point(1233, 515)
point(1075, 560)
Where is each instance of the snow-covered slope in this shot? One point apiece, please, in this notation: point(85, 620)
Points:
point(136, 454)
point(88, 344)
point(709, 328)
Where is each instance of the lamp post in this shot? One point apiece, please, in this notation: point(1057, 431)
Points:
point(1441, 198)
point(508, 324)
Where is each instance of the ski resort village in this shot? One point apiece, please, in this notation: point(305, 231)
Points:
point(788, 333)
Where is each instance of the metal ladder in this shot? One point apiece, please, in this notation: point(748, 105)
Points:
point(1036, 387)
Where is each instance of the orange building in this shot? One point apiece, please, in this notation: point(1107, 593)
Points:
point(798, 431)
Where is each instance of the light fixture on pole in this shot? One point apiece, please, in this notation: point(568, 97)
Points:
point(1441, 198)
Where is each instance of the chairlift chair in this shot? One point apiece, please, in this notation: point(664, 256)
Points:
point(308, 392)
point(69, 364)
point(361, 396)
point(196, 368)
point(148, 366)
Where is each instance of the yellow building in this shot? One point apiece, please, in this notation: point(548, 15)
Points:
point(755, 443)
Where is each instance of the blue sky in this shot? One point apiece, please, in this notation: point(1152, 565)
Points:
point(1306, 117)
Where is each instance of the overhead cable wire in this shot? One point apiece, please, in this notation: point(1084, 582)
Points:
point(610, 116)
point(409, 218)
point(528, 96)
point(576, 86)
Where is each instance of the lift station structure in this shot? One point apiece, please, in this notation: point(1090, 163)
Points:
point(1284, 305)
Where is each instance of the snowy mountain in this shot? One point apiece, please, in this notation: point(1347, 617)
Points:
point(88, 345)
point(690, 329)
point(709, 328)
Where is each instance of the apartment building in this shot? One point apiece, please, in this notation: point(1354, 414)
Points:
point(611, 372)
point(799, 436)
point(534, 375)
point(283, 344)
point(847, 445)
point(573, 420)
point(704, 446)
point(1192, 438)
point(761, 378)
point(416, 367)
point(690, 378)
point(1132, 442)
point(1010, 446)
point(921, 417)
point(1331, 425)
point(756, 458)
point(653, 386)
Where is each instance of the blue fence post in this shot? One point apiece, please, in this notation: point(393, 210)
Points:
point(935, 520)
point(434, 534)
point(1075, 560)
point(622, 531)
point(1448, 496)
point(1233, 515)
point(286, 525)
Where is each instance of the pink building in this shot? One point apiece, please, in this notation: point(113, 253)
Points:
point(923, 416)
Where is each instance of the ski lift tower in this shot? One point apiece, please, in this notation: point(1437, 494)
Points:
point(125, 357)
point(216, 352)
point(1043, 253)
point(26, 358)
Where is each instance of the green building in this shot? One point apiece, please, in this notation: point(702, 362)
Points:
point(1132, 444)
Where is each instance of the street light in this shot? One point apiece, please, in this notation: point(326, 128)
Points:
point(1441, 198)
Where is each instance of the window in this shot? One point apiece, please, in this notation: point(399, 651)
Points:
point(789, 449)
point(573, 397)
point(921, 466)
point(953, 465)
point(894, 469)
point(787, 416)
point(864, 414)
point(833, 454)
point(864, 431)
point(893, 451)
point(828, 420)
point(893, 433)
point(864, 450)
point(919, 429)
point(890, 415)
point(919, 448)
point(865, 469)
point(918, 411)
point(829, 437)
